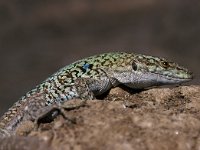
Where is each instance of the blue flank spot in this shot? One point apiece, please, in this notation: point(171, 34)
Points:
point(86, 66)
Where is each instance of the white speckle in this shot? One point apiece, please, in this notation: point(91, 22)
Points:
point(71, 93)
point(18, 117)
point(124, 105)
point(176, 132)
point(26, 108)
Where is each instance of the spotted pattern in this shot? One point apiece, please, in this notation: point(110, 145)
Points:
point(95, 72)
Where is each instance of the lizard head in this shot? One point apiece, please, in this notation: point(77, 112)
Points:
point(141, 71)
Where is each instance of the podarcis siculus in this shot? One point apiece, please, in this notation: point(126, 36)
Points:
point(90, 77)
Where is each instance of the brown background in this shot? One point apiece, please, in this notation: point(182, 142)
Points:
point(37, 37)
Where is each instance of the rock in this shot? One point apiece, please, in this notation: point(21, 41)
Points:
point(164, 118)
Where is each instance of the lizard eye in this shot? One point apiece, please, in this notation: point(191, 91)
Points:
point(165, 64)
point(134, 66)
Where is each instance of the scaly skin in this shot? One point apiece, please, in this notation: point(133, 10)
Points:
point(92, 76)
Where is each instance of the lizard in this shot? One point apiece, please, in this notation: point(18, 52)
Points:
point(89, 77)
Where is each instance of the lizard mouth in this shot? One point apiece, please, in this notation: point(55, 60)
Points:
point(177, 79)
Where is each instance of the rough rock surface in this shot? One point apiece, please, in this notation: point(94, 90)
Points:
point(155, 119)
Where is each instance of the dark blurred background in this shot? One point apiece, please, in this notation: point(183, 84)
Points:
point(37, 37)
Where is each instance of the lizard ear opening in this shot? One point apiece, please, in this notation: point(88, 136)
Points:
point(134, 66)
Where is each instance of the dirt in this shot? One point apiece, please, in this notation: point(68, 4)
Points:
point(155, 119)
